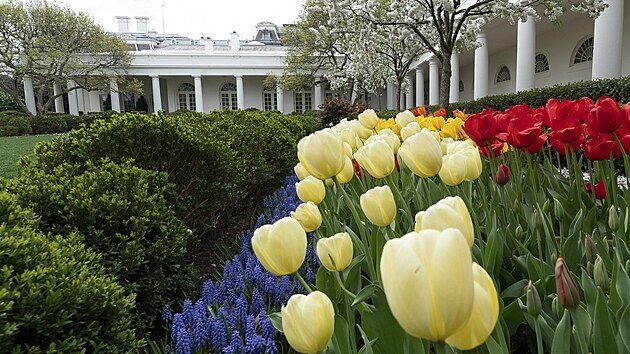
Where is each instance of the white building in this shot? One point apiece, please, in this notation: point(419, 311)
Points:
point(204, 74)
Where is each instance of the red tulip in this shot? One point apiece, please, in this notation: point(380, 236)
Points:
point(583, 107)
point(605, 117)
point(396, 162)
point(537, 145)
point(565, 125)
point(600, 189)
point(561, 147)
point(568, 293)
point(419, 111)
point(357, 169)
point(496, 147)
point(601, 147)
point(503, 121)
point(440, 113)
point(523, 131)
point(551, 107)
point(541, 115)
point(502, 176)
point(481, 127)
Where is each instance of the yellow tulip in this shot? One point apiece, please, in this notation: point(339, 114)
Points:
point(347, 173)
point(368, 119)
point(422, 154)
point(308, 322)
point(311, 189)
point(335, 252)
point(361, 131)
point(445, 143)
point(435, 134)
point(437, 123)
point(409, 130)
point(404, 118)
point(428, 282)
point(484, 314)
point(322, 153)
point(453, 171)
point(474, 167)
point(347, 149)
point(330, 182)
point(349, 137)
point(280, 247)
point(389, 137)
point(379, 206)
point(308, 215)
point(300, 171)
point(450, 212)
point(376, 158)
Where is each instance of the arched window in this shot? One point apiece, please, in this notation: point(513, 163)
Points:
point(228, 96)
point(503, 74)
point(186, 96)
point(542, 64)
point(270, 99)
point(583, 52)
point(303, 101)
point(461, 86)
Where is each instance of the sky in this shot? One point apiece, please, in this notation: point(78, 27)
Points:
point(192, 18)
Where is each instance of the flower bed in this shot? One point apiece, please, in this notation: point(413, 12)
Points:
point(435, 239)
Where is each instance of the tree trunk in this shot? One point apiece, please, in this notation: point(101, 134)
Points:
point(398, 93)
point(445, 81)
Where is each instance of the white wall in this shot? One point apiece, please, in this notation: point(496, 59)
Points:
point(625, 65)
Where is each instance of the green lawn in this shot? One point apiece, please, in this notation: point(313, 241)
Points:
point(14, 147)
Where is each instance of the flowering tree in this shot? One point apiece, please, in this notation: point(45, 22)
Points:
point(447, 26)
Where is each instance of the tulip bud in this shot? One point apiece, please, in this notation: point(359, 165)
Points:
point(347, 173)
point(536, 221)
point(533, 300)
point(558, 209)
point(448, 213)
point(321, 153)
point(303, 333)
point(335, 252)
point(454, 169)
point(300, 171)
point(379, 206)
point(280, 247)
point(557, 308)
point(589, 248)
point(347, 149)
point(568, 293)
point(404, 118)
point(311, 189)
point(308, 215)
point(518, 233)
point(546, 207)
point(329, 182)
point(368, 119)
point(409, 130)
point(444, 145)
point(422, 154)
point(376, 158)
point(502, 176)
point(362, 132)
point(516, 206)
point(601, 274)
point(613, 218)
point(589, 268)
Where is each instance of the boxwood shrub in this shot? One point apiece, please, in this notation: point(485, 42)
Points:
point(122, 212)
point(54, 296)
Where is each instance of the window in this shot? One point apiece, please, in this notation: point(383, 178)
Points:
point(106, 102)
point(129, 102)
point(542, 64)
point(186, 97)
point(461, 86)
point(228, 97)
point(330, 93)
point(504, 74)
point(303, 101)
point(270, 101)
point(584, 52)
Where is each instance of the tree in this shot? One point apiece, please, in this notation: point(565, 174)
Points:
point(447, 26)
point(50, 44)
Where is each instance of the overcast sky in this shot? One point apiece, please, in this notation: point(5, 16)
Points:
point(193, 18)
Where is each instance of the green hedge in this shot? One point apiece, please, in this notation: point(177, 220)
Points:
point(619, 89)
point(216, 160)
point(7, 103)
point(123, 213)
point(54, 296)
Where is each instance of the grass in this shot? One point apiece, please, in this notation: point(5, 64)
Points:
point(14, 147)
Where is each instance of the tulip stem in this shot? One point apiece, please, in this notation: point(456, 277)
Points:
point(303, 282)
point(442, 348)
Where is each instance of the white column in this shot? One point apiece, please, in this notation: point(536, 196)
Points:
point(157, 94)
point(198, 94)
point(354, 94)
point(73, 104)
point(59, 99)
point(318, 94)
point(240, 99)
point(525, 54)
point(409, 94)
point(29, 95)
point(280, 98)
point(81, 100)
point(419, 86)
point(401, 100)
point(391, 96)
point(95, 104)
point(607, 43)
point(481, 67)
point(434, 82)
point(113, 91)
point(454, 94)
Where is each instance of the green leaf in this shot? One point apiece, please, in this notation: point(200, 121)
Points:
point(562, 338)
point(341, 339)
point(624, 328)
point(276, 320)
point(364, 294)
point(603, 332)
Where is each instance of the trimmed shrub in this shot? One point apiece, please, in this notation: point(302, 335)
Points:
point(9, 130)
point(22, 124)
point(73, 122)
point(123, 213)
point(48, 124)
point(54, 297)
point(7, 103)
point(6, 116)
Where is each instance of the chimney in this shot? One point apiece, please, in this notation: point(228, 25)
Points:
point(208, 45)
point(123, 23)
point(235, 43)
point(141, 24)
